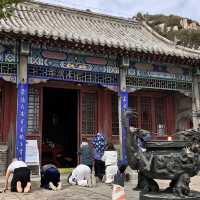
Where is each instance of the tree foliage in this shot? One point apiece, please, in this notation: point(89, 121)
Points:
point(7, 7)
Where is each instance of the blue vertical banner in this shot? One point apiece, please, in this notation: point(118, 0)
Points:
point(124, 106)
point(22, 114)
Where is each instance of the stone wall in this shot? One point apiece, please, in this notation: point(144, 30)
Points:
point(3, 159)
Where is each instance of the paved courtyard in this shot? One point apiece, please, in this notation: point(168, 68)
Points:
point(100, 192)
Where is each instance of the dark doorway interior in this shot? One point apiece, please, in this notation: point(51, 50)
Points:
point(59, 127)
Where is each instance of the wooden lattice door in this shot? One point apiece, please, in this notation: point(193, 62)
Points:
point(133, 104)
point(88, 114)
point(146, 113)
point(33, 111)
point(160, 115)
point(35, 115)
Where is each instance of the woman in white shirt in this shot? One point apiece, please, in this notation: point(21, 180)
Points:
point(110, 159)
point(21, 177)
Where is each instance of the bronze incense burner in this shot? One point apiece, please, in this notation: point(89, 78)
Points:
point(175, 160)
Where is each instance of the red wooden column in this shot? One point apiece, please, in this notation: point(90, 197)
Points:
point(107, 115)
point(169, 115)
point(100, 111)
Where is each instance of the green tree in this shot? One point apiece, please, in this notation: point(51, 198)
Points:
point(7, 7)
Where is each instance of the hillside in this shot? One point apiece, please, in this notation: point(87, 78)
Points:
point(183, 31)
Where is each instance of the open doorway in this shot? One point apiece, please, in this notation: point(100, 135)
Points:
point(59, 136)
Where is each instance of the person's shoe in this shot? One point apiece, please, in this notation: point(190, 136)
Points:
point(52, 186)
point(27, 188)
point(59, 187)
point(19, 187)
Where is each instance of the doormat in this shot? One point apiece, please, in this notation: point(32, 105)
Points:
point(65, 170)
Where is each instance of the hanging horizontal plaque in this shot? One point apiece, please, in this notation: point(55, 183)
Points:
point(54, 55)
point(97, 61)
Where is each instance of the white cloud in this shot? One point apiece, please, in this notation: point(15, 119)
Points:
point(128, 8)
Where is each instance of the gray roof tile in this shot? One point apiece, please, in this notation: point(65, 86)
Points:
point(44, 20)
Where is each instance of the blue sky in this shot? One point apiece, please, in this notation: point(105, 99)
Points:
point(128, 8)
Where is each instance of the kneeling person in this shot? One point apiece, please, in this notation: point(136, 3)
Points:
point(81, 176)
point(50, 177)
point(21, 177)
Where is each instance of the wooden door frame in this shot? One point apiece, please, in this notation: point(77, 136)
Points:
point(66, 87)
point(80, 90)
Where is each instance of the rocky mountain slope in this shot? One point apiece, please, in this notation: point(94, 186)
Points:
point(183, 31)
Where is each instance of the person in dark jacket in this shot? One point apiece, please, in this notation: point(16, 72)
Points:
point(50, 177)
point(86, 154)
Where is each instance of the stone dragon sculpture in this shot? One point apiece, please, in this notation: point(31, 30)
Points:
point(177, 160)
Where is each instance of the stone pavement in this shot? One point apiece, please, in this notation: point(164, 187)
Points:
point(100, 192)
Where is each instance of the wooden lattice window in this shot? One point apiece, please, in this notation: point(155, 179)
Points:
point(89, 113)
point(159, 114)
point(133, 104)
point(146, 113)
point(33, 110)
point(115, 118)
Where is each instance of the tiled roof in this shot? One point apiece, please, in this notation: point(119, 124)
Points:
point(44, 20)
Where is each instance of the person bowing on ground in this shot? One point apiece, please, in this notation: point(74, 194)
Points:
point(21, 177)
point(81, 176)
point(50, 177)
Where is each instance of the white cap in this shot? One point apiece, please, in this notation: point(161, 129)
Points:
point(72, 180)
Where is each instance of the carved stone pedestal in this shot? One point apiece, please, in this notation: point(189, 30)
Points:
point(167, 196)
